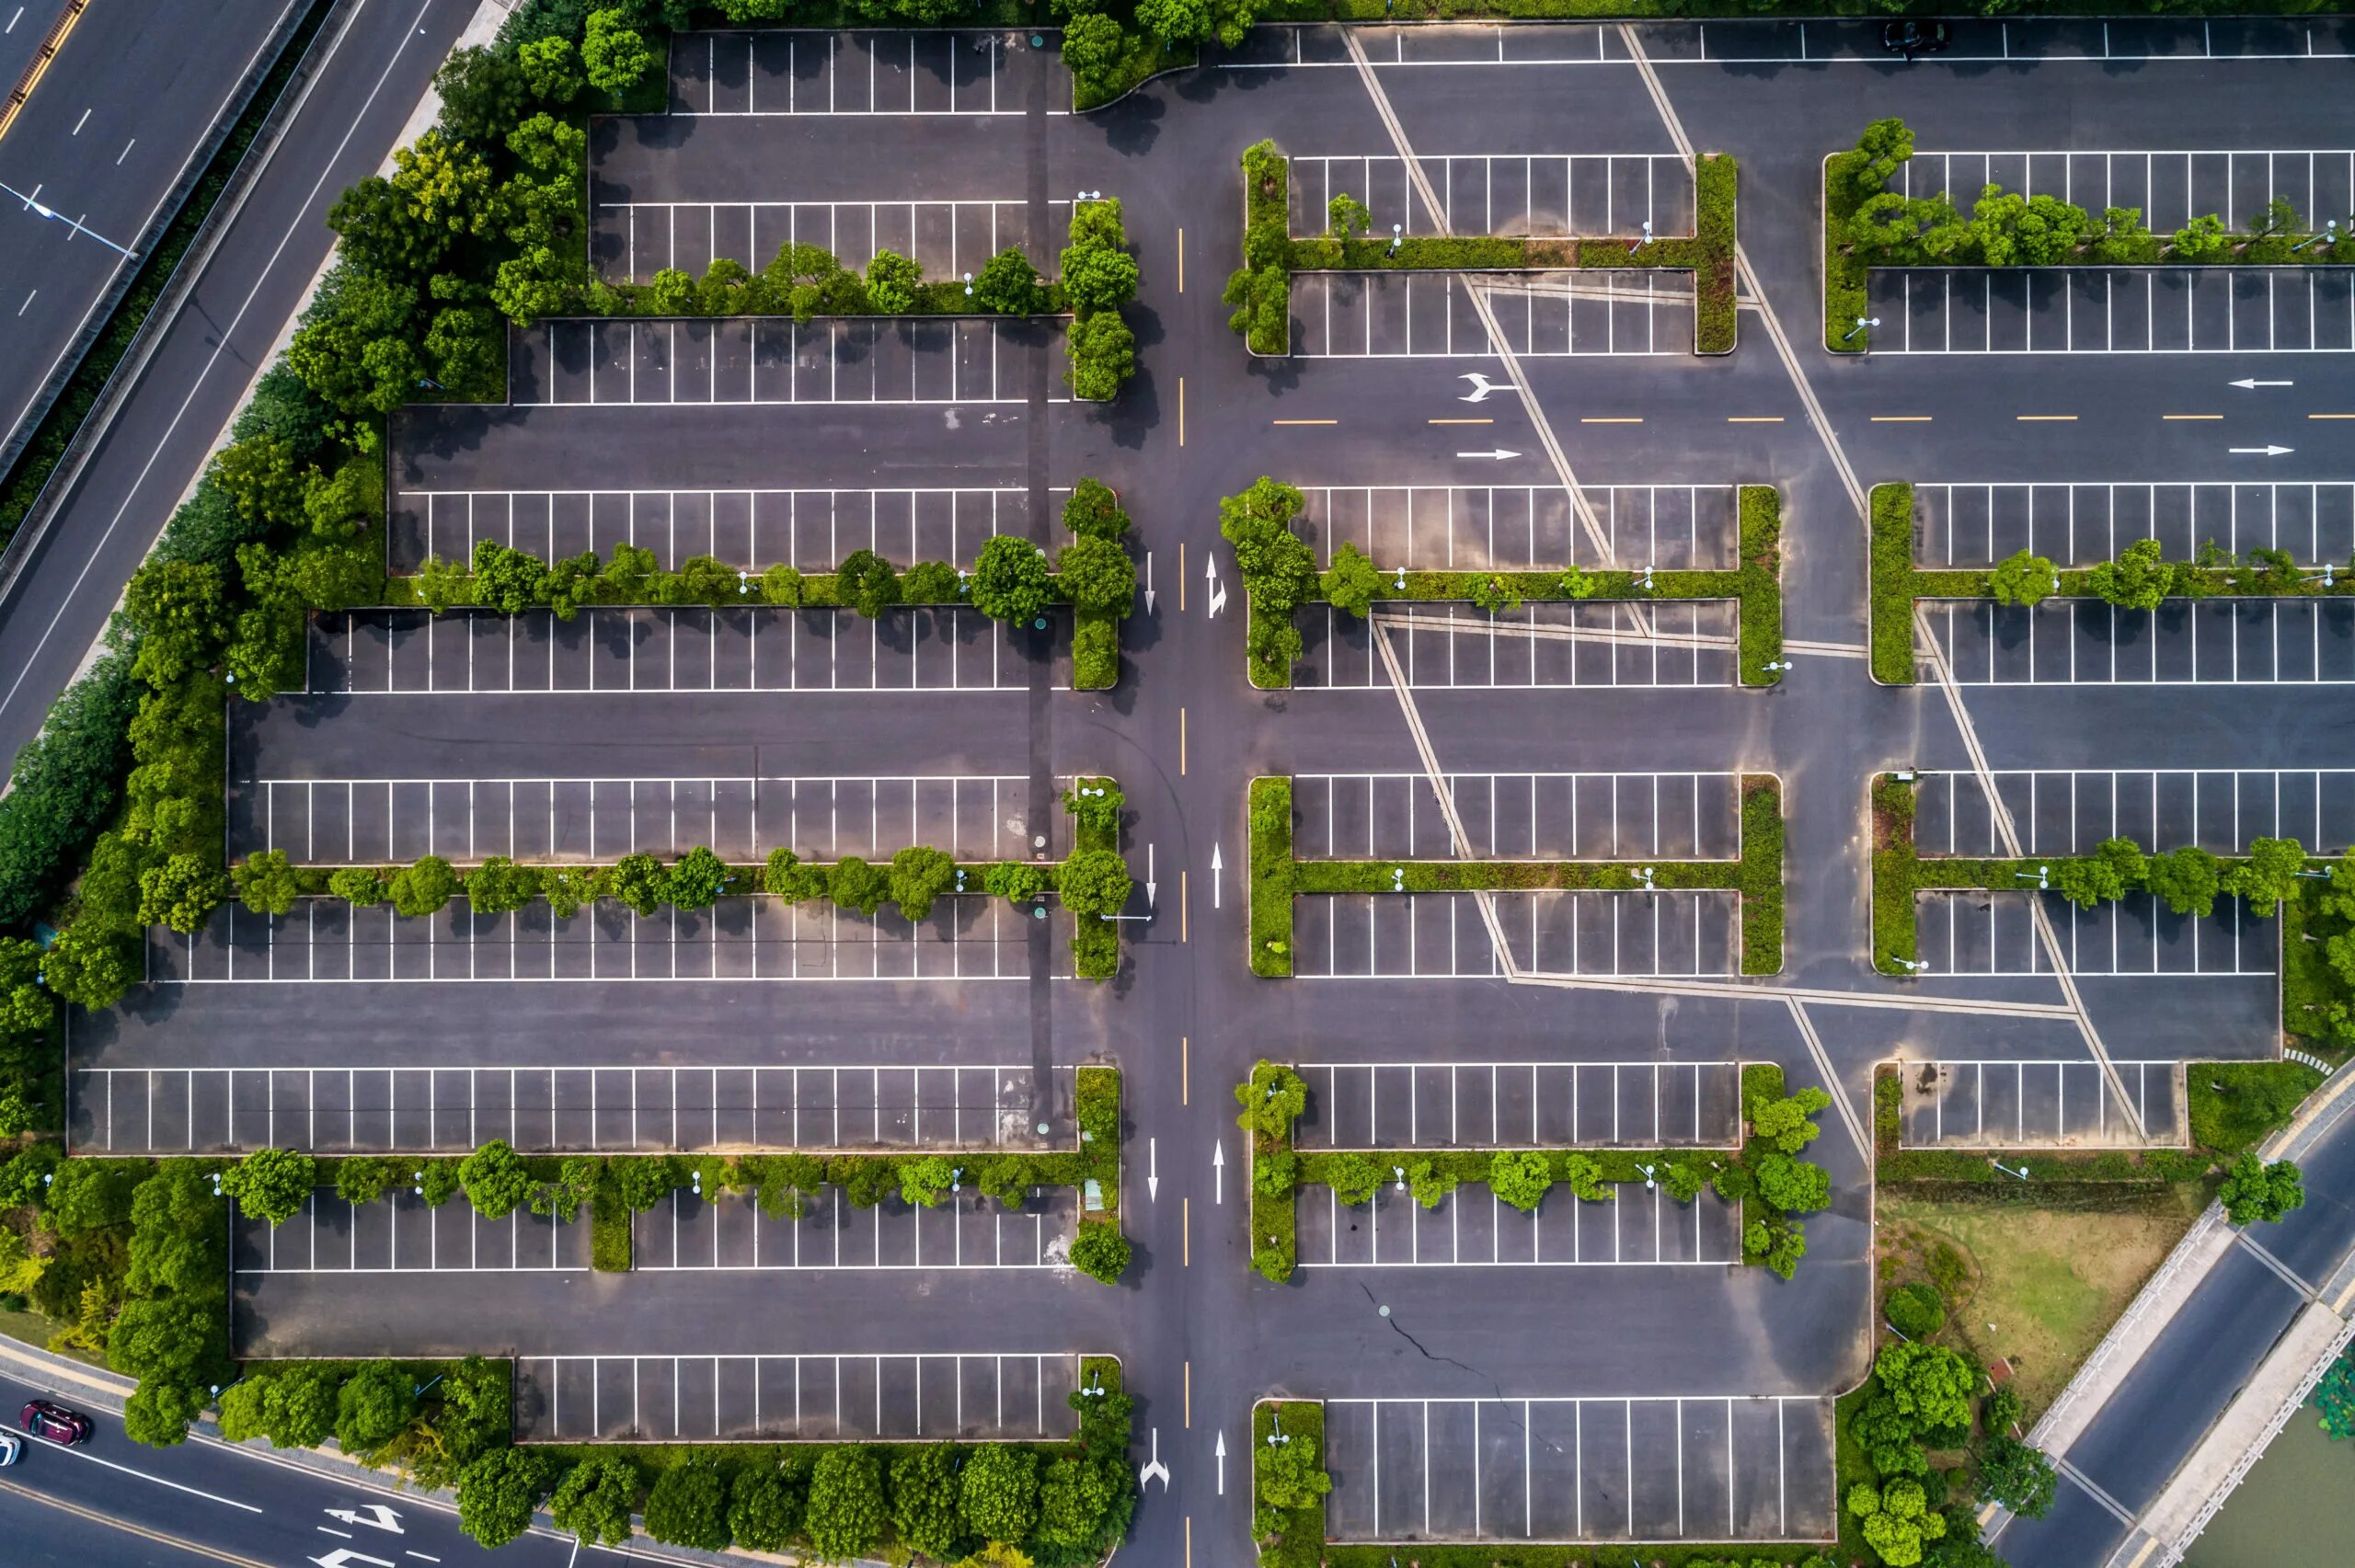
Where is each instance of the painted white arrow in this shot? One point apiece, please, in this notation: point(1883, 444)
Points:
point(1148, 582)
point(1218, 863)
point(1153, 1467)
point(1153, 1169)
point(1500, 455)
point(1218, 1169)
point(2261, 451)
point(1148, 876)
point(375, 1516)
point(1481, 388)
point(2251, 383)
point(1221, 1452)
point(344, 1557)
point(1218, 594)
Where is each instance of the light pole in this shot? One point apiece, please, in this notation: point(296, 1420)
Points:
point(1778, 664)
point(1913, 965)
point(2330, 234)
point(1397, 233)
point(1862, 322)
point(2042, 878)
point(1648, 231)
point(968, 285)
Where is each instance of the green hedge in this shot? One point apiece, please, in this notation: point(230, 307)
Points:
point(1846, 293)
point(1759, 874)
point(1892, 584)
point(1095, 651)
point(1299, 1541)
point(1896, 941)
point(1759, 583)
point(1274, 876)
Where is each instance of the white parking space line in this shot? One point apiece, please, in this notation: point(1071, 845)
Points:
point(1520, 1105)
point(2068, 812)
point(2012, 1103)
point(1444, 936)
point(972, 1396)
point(2083, 523)
point(1472, 1228)
point(944, 237)
point(1541, 645)
point(779, 73)
point(1990, 932)
point(1546, 195)
point(966, 1231)
point(602, 1107)
point(1481, 527)
point(2098, 310)
point(2063, 642)
point(379, 821)
point(1425, 315)
point(812, 530)
point(400, 1233)
point(2168, 187)
point(1518, 816)
point(713, 361)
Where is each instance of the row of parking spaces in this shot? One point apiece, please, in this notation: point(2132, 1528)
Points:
point(2169, 189)
point(1434, 316)
point(1978, 525)
point(1540, 1470)
point(1456, 528)
point(967, 1231)
point(739, 938)
point(796, 1399)
point(1549, 195)
point(1994, 933)
point(2223, 642)
point(2040, 1104)
point(2110, 310)
point(400, 1233)
point(749, 359)
point(1473, 1228)
point(1549, 645)
point(812, 530)
point(1520, 1105)
point(342, 1110)
point(634, 240)
point(1518, 816)
point(1447, 936)
point(2061, 811)
point(647, 648)
point(854, 73)
point(379, 821)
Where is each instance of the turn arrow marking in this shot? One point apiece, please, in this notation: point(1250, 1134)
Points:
point(344, 1557)
point(375, 1516)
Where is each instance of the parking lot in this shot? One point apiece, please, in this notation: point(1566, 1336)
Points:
point(2068, 812)
point(1424, 316)
point(967, 1231)
point(771, 360)
point(602, 651)
point(399, 1234)
point(1456, 528)
point(379, 821)
point(1541, 645)
point(2012, 1103)
point(1607, 817)
point(1546, 195)
point(2217, 642)
point(2083, 524)
point(1665, 1469)
point(811, 530)
point(634, 240)
point(572, 1107)
point(1473, 1228)
point(904, 72)
point(1995, 934)
point(327, 940)
point(2106, 310)
point(2169, 189)
point(1518, 1104)
point(796, 1399)
point(1445, 935)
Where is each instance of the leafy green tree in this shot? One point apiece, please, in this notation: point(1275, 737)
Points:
point(499, 887)
point(1272, 1098)
point(177, 1247)
point(1094, 882)
point(361, 886)
point(1098, 809)
point(181, 608)
point(2188, 879)
point(997, 1495)
point(688, 1506)
point(1097, 577)
point(1103, 356)
point(1346, 217)
point(785, 877)
point(566, 887)
point(1519, 1178)
point(2122, 239)
point(594, 1499)
point(892, 282)
point(424, 888)
point(260, 477)
point(645, 1180)
point(1096, 275)
point(181, 893)
point(1093, 44)
point(1016, 881)
point(2137, 579)
point(265, 882)
point(363, 1178)
point(498, 1494)
point(1778, 1245)
point(91, 965)
point(1278, 571)
point(931, 582)
point(298, 1407)
point(923, 1501)
point(1886, 143)
point(1076, 1498)
point(1176, 22)
point(697, 882)
point(846, 1515)
point(1008, 283)
point(2202, 239)
point(1100, 1251)
point(924, 1179)
point(374, 1407)
point(1930, 1385)
point(1351, 583)
point(2103, 877)
point(1915, 1311)
point(355, 349)
point(855, 885)
point(672, 292)
point(764, 1509)
point(1793, 1185)
point(271, 1183)
point(869, 583)
point(2269, 875)
point(338, 504)
point(2036, 230)
point(640, 882)
point(495, 1179)
point(613, 52)
point(2254, 1191)
point(1010, 579)
point(919, 875)
point(1783, 1124)
point(1897, 1520)
point(552, 69)
point(1093, 511)
point(2018, 1476)
point(2000, 1411)
point(1285, 1476)
point(482, 92)
point(242, 1409)
point(1353, 1177)
point(2023, 579)
point(160, 1414)
point(1428, 1182)
point(782, 586)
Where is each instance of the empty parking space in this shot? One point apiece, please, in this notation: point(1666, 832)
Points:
point(608, 1109)
point(1993, 932)
point(1447, 936)
point(2169, 189)
point(930, 648)
point(2041, 1105)
point(376, 821)
point(766, 360)
point(2104, 310)
point(1473, 1228)
point(1518, 816)
point(1539, 646)
point(634, 240)
point(327, 939)
point(1549, 194)
point(2264, 642)
point(1520, 1105)
point(2068, 812)
point(796, 1399)
point(400, 1233)
point(967, 1231)
point(2082, 524)
point(1648, 1469)
point(1432, 315)
point(809, 530)
point(1526, 527)
point(896, 73)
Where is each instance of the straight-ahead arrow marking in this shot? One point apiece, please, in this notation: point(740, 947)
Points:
point(2251, 383)
point(1218, 863)
point(1217, 1168)
point(1148, 582)
point(1221, 1453)
point(2261, 451)
point(1500, 455)
point(1153, 1169)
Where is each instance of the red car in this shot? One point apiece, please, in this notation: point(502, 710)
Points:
point(46, 1418)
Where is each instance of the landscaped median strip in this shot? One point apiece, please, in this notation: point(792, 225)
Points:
point(1280, 575)
point(1277, 877)
point(1261, 290)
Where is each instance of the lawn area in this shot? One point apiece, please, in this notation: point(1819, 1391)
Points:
point(31, 1328)
point(2037, 1286)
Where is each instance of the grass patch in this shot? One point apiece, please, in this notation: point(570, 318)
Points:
point(2313, 998)
point(1299, 1537)
point(1845, 295)
point(1759, 583)
point(1274, 876)
point(1892, 584)
point(1146, 58)
point(1896, 940)
point(1095, 651)
point(1760, 873)
point(2234, 1105)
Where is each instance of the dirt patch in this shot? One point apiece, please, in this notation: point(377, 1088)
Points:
point(2035, 1287)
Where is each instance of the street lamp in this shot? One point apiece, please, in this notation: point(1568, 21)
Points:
point(1862, 322)
point(1276, 1420)
point(2042, 878)
point(2330, 234)
point(1397, 233)
point(1776, 664)
point(1646, 1170)
point(2324, 576)
point(1644, 582)
point(1648, 231)
point(968, 285)
point(1914, 966)
point(1644, 874)
point(1399, 1172)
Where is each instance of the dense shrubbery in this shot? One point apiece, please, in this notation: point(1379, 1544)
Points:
point(1099, 278)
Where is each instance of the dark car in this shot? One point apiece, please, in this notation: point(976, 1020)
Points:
point(47, 1418)
point(1907, 40)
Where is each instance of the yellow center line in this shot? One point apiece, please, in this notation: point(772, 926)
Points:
point(1181, 405)
point(1636, 420)
point(1189, 1394)
point(59, 30)
point(2191, 415)
point(1754, 418)
point(1308, 421)
point(1190, 1541)
point(1459, 421)
point(2046, 418)
point(1186, 1231)
point(2331, 415)
point(1902, 418)
point(1181, 606)
point(1184, 910)
point(1182, 261)
point(158, 1537)
point(1181, 712)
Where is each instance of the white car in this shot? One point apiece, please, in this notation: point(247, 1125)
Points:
point(12, 1448)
